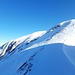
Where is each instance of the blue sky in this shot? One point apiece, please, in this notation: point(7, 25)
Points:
point(22, 17)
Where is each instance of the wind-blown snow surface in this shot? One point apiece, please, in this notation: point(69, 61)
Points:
point(41, 53)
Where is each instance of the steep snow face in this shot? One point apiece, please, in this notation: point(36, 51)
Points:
point(41, 53)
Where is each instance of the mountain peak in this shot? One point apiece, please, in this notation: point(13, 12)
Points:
point(68, 21)
point(46, 51)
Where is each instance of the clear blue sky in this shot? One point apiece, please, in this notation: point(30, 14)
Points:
point(21, 17)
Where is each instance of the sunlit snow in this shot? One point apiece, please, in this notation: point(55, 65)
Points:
point(41, 53)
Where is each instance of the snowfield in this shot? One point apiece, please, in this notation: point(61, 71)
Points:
point(41, 53)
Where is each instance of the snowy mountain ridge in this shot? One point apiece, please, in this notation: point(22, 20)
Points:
point(60, 34)
point(25, 40)
point(41, 53)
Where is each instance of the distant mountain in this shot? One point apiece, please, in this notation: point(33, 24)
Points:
point(41, 53)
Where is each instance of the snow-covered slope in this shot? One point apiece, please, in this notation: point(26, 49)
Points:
point(41, 53)
point(21, 43)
